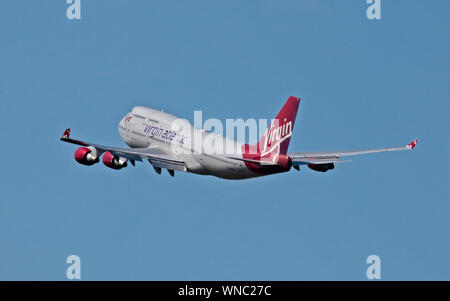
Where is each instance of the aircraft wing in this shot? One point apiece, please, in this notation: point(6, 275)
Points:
point(153, 155)
point(304, 158)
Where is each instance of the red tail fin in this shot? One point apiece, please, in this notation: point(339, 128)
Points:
point(276, 138)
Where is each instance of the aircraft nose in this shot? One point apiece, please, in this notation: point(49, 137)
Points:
point(123, 121)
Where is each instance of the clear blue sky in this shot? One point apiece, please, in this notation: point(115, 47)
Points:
point(363, 84)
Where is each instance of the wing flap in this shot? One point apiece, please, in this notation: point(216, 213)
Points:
point(124, 155)
point(168, 165)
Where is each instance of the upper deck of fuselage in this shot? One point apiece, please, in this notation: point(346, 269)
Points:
point(152, 114)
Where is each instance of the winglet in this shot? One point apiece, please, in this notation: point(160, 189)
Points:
point(66, 134)
point(412, 145)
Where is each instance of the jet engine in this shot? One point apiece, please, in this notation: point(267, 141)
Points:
point(284, 161)
point(321, 167)
point(114, 162)
point(85, 156)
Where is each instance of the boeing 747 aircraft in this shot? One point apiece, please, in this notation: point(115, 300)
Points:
point(152, 136)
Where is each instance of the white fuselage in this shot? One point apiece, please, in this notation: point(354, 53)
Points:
point(148, 128)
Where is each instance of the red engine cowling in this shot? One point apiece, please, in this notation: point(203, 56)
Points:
point(321, 167)
point(113, 162)
point(84, 156)
point(284, 161)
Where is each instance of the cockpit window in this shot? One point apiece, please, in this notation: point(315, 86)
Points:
point(138, 116)
point(127, 119)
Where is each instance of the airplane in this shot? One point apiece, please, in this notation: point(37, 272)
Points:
point(151, 137)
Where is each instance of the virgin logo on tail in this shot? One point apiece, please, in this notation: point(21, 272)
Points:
point(275, 135)
point(276, 139)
